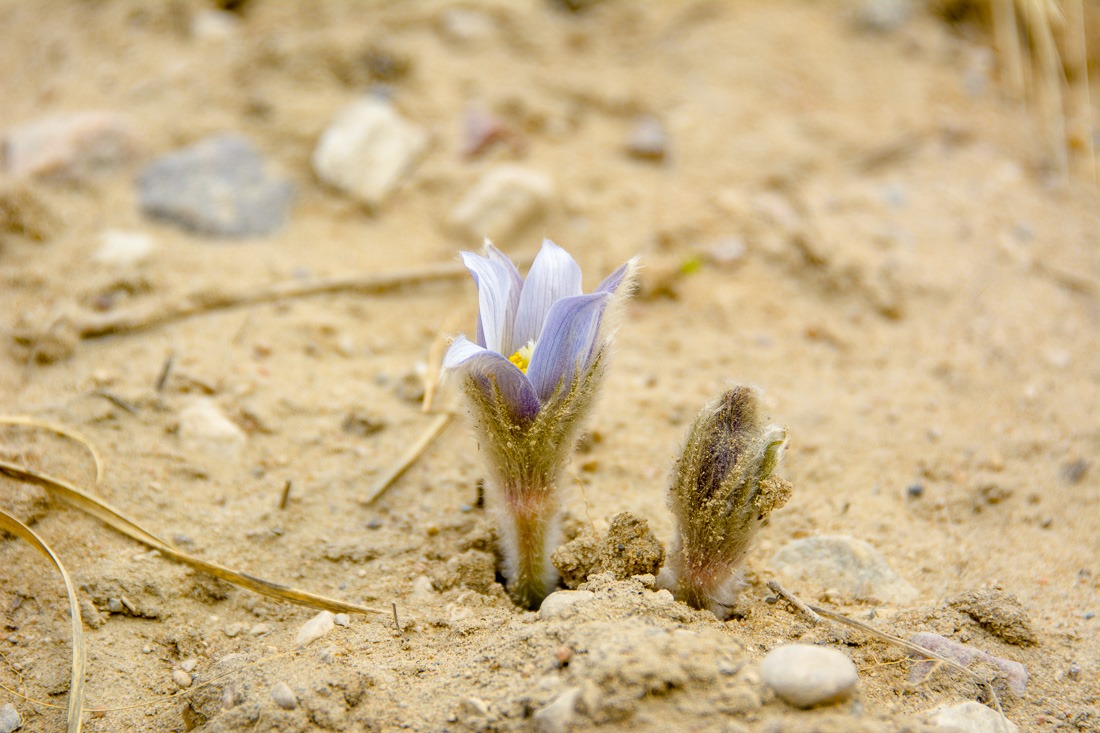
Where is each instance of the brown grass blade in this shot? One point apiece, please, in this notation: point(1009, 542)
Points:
point(80, 659)
point(71, 495)
point(61, 430)
point(415, 451)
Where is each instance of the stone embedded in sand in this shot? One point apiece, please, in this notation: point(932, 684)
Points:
point(283, 696)
point(70, 146)
point(805, 676)
point(502, 202)
point(648, 139)
point(971, 717)
point(205, 430)
point(315, 628)
point(844, 564)
point(558, 715)
point(181, 678)
point(367, 150)
point(219, 186)
point(558, 604)
point(9, 719)
point(630, 548)
point(1015, 674)
point(122, 249)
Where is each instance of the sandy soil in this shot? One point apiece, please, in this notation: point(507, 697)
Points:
point(919, 306)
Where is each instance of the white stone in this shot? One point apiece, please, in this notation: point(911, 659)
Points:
point(315, 628)
point(9, 719)
point(181, 678)
point(70, 146)
point(122, 249)
point(205, 430)
point(214, 25)
point(283, 696)
point(805, 676)
point(845, 564)
point(503, 201)
point(557, 604)
point(342, 619)
point(367, 150)
point(970, 717)
point(464, 25)
point(559, 714)
point(422, 587)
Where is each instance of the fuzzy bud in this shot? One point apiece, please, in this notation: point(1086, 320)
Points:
point(722, 491)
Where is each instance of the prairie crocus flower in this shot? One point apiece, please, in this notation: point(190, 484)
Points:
point(722, 491)
point(531, 380)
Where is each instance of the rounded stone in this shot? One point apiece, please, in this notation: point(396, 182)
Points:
point(557, 604)
point(805, 676)
point(283, 696)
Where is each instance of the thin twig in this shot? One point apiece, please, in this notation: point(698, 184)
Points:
point(396, 622)
point(414, 452)
point(91, 327)
point(795, 601)
point(285, 498)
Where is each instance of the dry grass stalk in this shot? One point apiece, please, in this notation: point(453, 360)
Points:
point(402, 464)
point(73, 724)
point(71, 495)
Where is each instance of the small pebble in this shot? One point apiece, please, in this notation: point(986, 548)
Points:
point(122, 249)
point(805, 676)
point(234, 629)
point(914, 491)
point(9, 719)
point(726, 252)
point(971, 717)
point(503, 201)
point(466, 25)
point(475, 706)
point(214, 25)
point(283, 696)
point(342, 619)
point(69, 147)
point(204, 429)
point(315, 628)
point(219, 186)
point(114, 605)
point(181, 678)
point(558, 603)
point(367, 150)
point(648, 139)
point(188, 665)
point(261, 629)
point(557, 717)
point(850, 566)
point(881, 16)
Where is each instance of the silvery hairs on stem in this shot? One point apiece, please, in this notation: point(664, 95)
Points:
point(531, 380)
point(721, 492)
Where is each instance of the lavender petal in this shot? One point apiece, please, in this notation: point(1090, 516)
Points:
point(494, 371)
point(567, 342)
point(612, 282)
point(554, 275)
point(494, 254)
point(493, 296)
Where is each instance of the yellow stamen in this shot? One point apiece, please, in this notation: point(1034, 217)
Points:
point(522, 357)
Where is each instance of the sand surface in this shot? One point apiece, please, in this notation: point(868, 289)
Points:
point(857, 223)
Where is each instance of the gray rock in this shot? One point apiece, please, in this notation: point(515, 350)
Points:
point(805, 676)
point(503, 201)
point(283, 696)
point(1015, 674)
point(219, 186)
point(559, 714)
point(367, 150)
point(70, 147)
point(844, 564)
point(9, 719)
point(648, 139)
point(970, 717)
point(557, 604)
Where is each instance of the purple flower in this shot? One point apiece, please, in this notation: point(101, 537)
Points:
point(534, 336)
point(531, 380)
